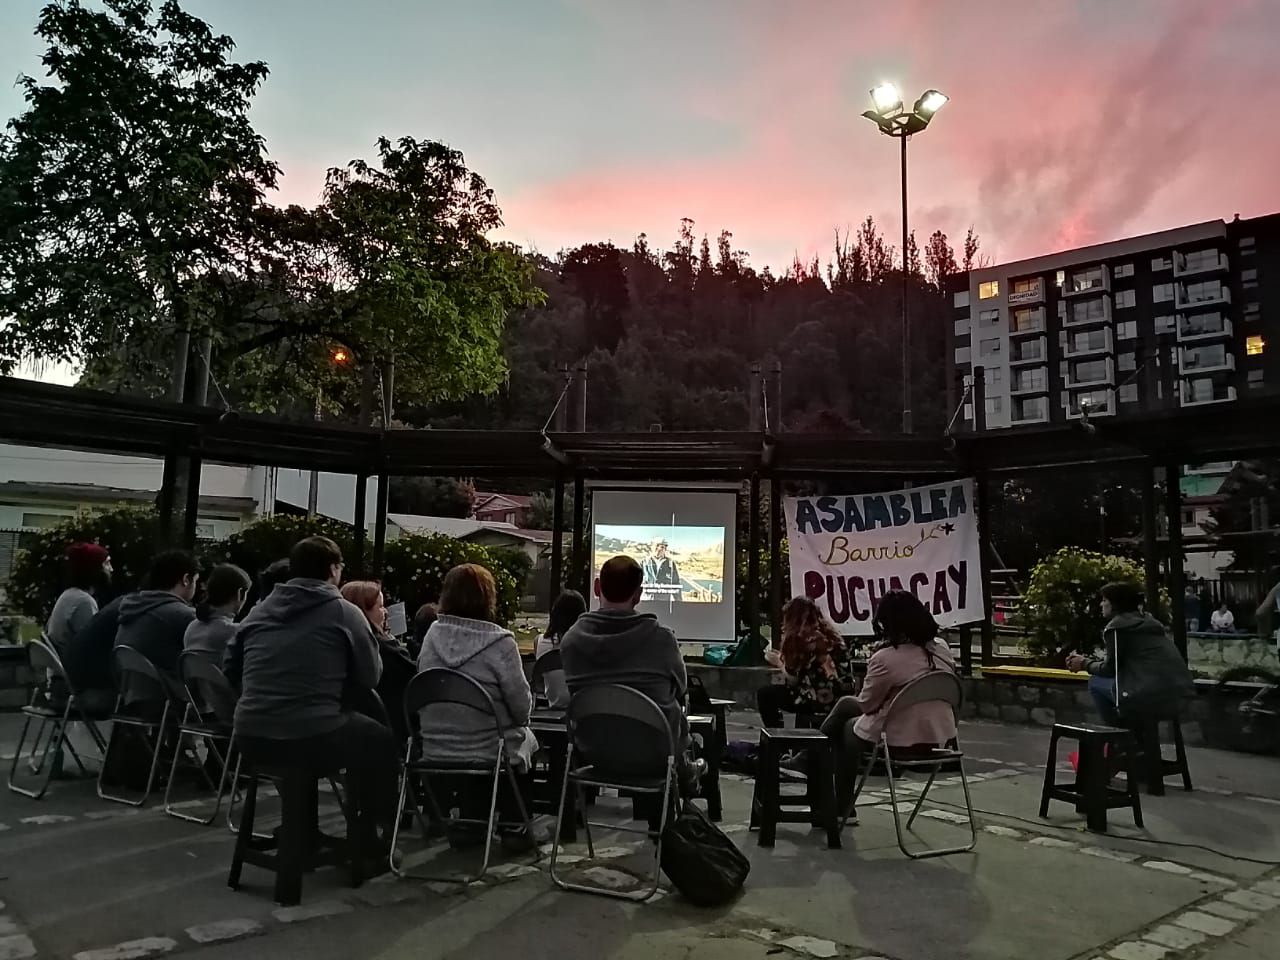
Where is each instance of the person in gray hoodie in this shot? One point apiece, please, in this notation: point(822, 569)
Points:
point(154, 620)
point(296, 655)
point(1141, 674)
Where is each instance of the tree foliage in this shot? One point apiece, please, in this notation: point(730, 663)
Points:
point(431, 496)
point(416, 565)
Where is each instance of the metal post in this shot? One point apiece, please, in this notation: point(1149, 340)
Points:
point(380, 525)
point(753, 563)
point(906, 327)
point(775, 398)
point(181, 355)
point(754, 399)
point(164, 503)
point(775, 559)
point(562, 411)
point(204, 358)
point(578, 577)
point(313, 488)
point(1177, 579)
point(192, 513)
point(966, 651)
point(1150, 548)
point(557, 542)
point(581, 424)
point(361, 521)
point(388, 393)
point(982, 492)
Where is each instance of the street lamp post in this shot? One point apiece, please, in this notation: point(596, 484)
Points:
point(339, 357)
point(893, 120)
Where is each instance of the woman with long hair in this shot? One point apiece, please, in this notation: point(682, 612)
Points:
point(214, 625)
point(569, 606)
point(908, 648)
point(397, 666)
point(815, 662)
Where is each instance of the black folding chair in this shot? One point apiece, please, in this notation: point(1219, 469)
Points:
point(436, 687)
point(139, 675)
point(640, 759)
point(547, 663)
point(53, 721)
point(940, 686)
point(208, 714)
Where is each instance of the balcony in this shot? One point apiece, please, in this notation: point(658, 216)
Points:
point(1101, 403)
point(1084, 312)
point(1091, 373)
point(1196, 296)
point(1205, 390)
point(1201, 327)
point(1092, 280)
point(1029, 351)
point(1199, 360)
point(1089, 343)
point(1025, 383)
point(1200, 262)
point(1031, 410)
point(1025, 322)
point(1033, 293)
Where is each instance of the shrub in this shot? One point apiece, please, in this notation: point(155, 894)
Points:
point(265, 541)
point(38, 571)
point(1061, 609)
point(415, 565)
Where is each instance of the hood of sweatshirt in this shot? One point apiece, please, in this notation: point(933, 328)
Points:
point(606, 637)
point(146, 603)
point(1135, 622)
point(455, 640)
point(292, 600)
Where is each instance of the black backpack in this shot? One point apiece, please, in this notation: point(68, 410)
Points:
point(701, 861)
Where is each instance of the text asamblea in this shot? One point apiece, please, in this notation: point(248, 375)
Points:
point(874, 511)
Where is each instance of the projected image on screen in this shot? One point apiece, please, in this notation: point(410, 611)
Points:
point(682, 564)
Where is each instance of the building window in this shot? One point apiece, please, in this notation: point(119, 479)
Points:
point(1128, 393)
point(988, 348)
point(1088, 279)
point(1084, 311)
point(1162, 292)
point(1202, 324)
point(43, 520)
point(1247, 244)
point(1203, 291)
point(1165, 323)
point(1249, 279)
point(1028, 350)
point(1098, 401)
point(1089, 371)
point(1031, 408)
point(1251, 311)
point(1253, 345)
point(1200, 358)
point(1126, 298)
point(1027, 286)
point(1033, 379)
point(1088, 340)
point(961, 298)
point(1161, 263)
point(995, 374)
point(1061, 278)
point(1124, 270)
point(1028, 319)
point(963, 354)
point(988, 318)
point(1255, 379)
point(995, 405)
point(1127, 361)
point(1127, 330)
point(989, 289)
point(1200, 260)
point(962, 327)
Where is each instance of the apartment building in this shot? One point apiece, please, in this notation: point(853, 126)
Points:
point(1176, 319)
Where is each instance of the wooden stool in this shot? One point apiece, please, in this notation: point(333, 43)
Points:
point(1154, 765)
point(769, 806)
point(1090, 791)
point(297, 846)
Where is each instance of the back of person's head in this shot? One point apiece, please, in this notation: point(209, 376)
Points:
point(806, 633)
point(225, 591)
point(1124, 597)
point(171, 569)
point(620, 581)
point(423, 619)
point(273, 575)
point(469, 591)
point(86, 565)
point(363, 593)
point(569, 606)
point(902, 618)
point(315, 558)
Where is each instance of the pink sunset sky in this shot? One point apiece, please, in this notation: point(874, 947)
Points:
point(1069, 122)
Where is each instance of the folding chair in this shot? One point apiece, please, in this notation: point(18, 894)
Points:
point(937, 686)
point(436, 687)
point(208, 692)
point(547, 663)
point(641, 760)
point(53, 721)
point(137, 673)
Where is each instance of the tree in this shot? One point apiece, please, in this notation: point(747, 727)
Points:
point(939, 259)
point(594, 272)
point(431, 496)
point(873, 251)
point(131, 176)
point(971, 244)
point(911, 262)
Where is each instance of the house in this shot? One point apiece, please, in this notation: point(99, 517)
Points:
point(501, 508)
point(536, 544)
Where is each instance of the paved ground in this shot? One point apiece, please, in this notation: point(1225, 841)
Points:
point(86, 880)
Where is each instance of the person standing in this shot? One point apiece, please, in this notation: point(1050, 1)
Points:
point(88, 572)
point(1191, 609)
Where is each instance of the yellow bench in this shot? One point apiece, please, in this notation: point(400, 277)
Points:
point(1035, 673)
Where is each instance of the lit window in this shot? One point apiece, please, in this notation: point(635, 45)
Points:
point(988, 318)
point(1061, 278)
point(1124, 270)
point(1162, 292)
point(989, 348)
point(1126, 298)
point(1254, 345)
point(1127, 330)
point(989, 289)
point(1255, 379)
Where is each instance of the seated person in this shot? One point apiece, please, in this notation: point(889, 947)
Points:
point(214, 624)
point(816, 666)
point(569, 606)
point(294, 655)
point(1141, 675)
point(398, 667)
point(618, 645)
point(465, 638)
point(909, 648)
point(88, 571)
point(422, 621)
point(154, 620)
point(1223, 620)
point(87, 660)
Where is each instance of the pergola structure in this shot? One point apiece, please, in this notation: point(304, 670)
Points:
point(71, 418)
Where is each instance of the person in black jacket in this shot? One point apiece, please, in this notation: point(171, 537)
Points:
point(1141, 674)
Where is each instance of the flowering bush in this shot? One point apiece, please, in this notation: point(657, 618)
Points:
point(415, 565)
point(265, 541)
point(38, 573)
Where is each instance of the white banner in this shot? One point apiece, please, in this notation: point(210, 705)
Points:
point(848, 552)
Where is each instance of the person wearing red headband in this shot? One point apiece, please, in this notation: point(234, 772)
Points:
point(88, 570)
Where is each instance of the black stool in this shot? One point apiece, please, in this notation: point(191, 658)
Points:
point(1090, 791)
point(297, 846)
point(817, 807)
point(1154, 765)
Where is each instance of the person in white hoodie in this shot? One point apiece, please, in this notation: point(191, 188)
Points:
point(466, 638)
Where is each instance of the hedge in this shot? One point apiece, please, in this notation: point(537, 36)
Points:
point(415, 565)
point(265, 541)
